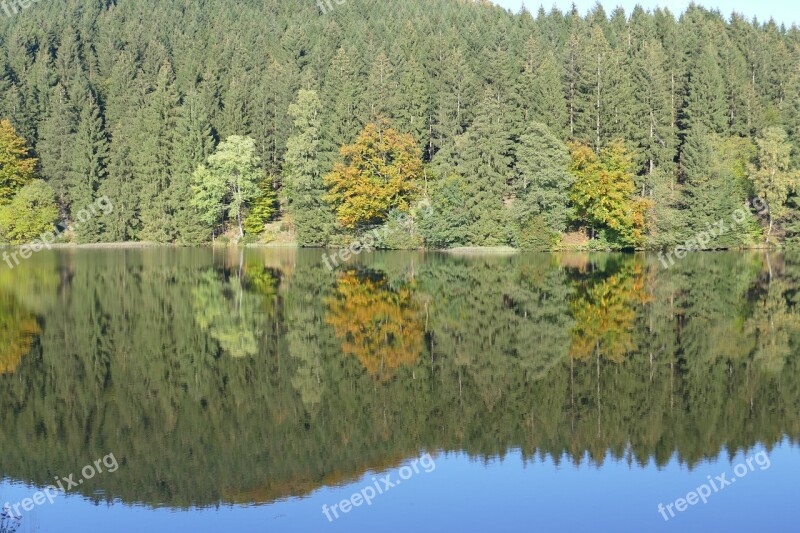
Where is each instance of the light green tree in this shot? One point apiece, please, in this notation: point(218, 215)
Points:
point(228, 182)
point(32, 212)
point(772, 176)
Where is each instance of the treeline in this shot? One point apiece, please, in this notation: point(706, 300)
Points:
point(635, 129)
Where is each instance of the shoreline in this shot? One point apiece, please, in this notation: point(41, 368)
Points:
point(460, 250)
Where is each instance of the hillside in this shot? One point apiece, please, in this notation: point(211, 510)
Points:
point(637, 130)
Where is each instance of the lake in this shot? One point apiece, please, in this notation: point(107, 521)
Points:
point(258, 390)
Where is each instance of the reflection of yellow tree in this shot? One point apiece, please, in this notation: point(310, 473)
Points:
point(605, 311)
point(18, 329)
point(380, 326)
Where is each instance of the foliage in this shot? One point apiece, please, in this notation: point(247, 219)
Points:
point(377, 324)
point(303, 187)
point(261, 210)
point(450, 219)
point(604, 309)
point(30, 213)
point(603, 192)
point(17, 167)
point(380, 172)
point(18, 332)
point(773, 177)
point(229, 182)
point(134, 116)
point(712, 365)
point(544, 180)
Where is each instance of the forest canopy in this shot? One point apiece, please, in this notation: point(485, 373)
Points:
point(130, 99)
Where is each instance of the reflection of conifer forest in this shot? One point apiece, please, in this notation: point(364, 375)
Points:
point(250, 376)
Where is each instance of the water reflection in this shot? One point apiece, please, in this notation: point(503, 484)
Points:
point(236, 377)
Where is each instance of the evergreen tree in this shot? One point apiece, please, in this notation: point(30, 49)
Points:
point(486, 166)
point(543, 179)
point(56, 145)
point(88, 170)
point(193, 144)
point(303, 188)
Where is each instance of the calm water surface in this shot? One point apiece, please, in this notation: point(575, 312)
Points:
point(244, 391)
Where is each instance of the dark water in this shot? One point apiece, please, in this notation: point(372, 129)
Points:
point(230, 391)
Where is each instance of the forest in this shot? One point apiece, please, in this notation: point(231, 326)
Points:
point(259, 121)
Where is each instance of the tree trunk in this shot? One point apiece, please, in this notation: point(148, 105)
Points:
point(769, 231)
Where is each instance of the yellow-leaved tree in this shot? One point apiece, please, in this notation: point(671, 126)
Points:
point(379, 173)
point(16, 166)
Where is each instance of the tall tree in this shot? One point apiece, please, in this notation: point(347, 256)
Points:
point(303, 188)
point(88, 169)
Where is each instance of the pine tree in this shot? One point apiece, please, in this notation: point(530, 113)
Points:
point(456, 87)
point(543, 180)
point(341, 95)
point(88, 170)
point(156, 135)
point(710, 194)
point(303, 188)
point(381, 93)
point(56, 145)
point(653, 132)
point(486, 162)
point(193, 144)
point(543, 97)
point(413, 103)
point(706, 102)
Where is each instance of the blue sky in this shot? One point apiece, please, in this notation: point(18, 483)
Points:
point(783, 11)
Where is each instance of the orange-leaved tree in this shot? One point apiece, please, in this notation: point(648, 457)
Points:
point(380, 172)
point(17, 167)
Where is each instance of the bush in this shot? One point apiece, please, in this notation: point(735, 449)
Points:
point(30, 213)
point(534, 235)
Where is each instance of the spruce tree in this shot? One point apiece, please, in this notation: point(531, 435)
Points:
point(543, 181)
point(486, 150)
point(303, 188)
point(56, 145)
point(88, 170)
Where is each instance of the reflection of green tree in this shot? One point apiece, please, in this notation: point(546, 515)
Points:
point(233, 309)
point(774, 322)
point(307, 336)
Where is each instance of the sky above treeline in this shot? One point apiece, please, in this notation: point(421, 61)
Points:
point(783, 11)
